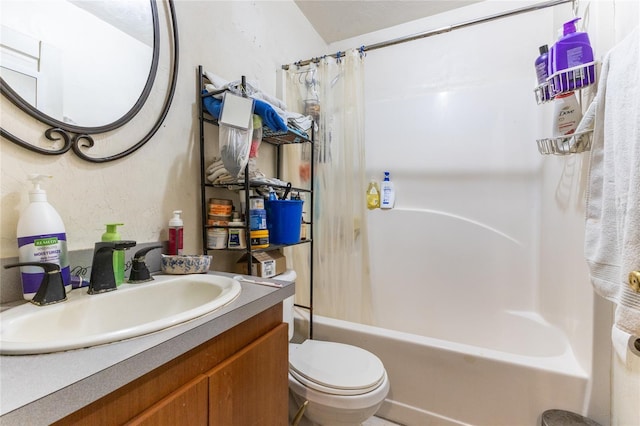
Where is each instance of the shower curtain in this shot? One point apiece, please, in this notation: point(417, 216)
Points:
point(331, 91)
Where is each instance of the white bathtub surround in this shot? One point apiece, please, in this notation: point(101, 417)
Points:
point(612, 235)
point(485, 316)
point(463, 382)
point(333, 91)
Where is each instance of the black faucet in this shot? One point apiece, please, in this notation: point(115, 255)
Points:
point(102, 275)
point(139, 270)
point(51, 288)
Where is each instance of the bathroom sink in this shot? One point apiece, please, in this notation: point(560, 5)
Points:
point(133, 310)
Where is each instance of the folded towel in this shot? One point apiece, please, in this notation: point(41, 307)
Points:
point(300, 122)
point(268, 114)
point(212, 105)
point(217, 164)
point(612, 228)
point(219, 83)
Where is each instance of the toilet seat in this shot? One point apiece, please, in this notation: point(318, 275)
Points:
point(336, 368)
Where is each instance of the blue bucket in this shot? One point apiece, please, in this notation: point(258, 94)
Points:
point(284, 218)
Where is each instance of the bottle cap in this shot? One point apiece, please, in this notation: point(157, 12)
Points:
point(176, 220)
point(112, 232)
point(37, 193)
point(570, 26)
point(544, 49)
point(386, 176)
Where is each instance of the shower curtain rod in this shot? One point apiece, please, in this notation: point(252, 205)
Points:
point(442, 30)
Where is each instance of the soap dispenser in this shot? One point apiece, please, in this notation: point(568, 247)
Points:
point(118, 255)
point(41, 238)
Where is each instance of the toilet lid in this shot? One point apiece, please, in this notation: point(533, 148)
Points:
point(336, 368)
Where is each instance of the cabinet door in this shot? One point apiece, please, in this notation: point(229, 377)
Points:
point(188, 405)
point(251, 387)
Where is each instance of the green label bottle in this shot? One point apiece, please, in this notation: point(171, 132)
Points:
point(118, 255)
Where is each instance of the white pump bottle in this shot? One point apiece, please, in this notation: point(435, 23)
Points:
point(388, 193)
point(41, 238)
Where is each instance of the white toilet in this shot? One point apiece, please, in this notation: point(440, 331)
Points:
point(345, 385)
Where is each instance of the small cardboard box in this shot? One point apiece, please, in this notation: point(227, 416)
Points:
point(264, 264)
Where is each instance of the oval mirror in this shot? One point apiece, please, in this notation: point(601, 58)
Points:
point(85, 63)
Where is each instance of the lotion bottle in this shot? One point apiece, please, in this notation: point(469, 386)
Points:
point(41, 238)
point(176, 233)
point(567, 114)
point(388, 193)
point(118, 255)
point(573, 48)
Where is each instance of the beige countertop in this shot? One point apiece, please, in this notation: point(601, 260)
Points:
point(40, 389)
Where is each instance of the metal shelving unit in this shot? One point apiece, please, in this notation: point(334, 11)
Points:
point(278, 140)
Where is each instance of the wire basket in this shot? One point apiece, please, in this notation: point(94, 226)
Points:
point(565, 81)
point(565, 145)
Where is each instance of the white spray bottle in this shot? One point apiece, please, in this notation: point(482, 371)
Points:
point(41, 238)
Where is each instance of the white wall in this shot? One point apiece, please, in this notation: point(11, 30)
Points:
point(450, 116)
point(229, 38)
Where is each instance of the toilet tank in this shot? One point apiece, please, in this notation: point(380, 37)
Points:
point(287, 304)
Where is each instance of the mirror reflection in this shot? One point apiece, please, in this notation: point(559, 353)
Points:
point(81, 62)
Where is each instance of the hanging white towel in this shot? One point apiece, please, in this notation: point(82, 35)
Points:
point(612, 234)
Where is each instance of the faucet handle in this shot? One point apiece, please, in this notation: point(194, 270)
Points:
point(51, 288)
point(139, 270)
point(122, 244)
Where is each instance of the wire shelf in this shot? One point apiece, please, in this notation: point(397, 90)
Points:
point(565, 145)
point(566, 81)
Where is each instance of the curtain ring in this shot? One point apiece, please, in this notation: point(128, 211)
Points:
point(362, 51)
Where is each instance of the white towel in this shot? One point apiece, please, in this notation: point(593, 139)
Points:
point(612, 234)
point(219, 83)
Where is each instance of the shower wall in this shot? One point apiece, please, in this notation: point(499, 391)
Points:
point(453, 118)
point(496, 226)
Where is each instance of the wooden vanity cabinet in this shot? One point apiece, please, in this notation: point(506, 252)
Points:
point(237, 378)
point(186, 406)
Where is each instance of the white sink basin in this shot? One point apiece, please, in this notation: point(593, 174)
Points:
point(133, 310)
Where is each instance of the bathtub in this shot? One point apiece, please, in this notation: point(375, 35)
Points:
point(507, 375)
point(468, 331)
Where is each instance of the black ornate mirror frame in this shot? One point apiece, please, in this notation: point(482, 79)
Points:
point(77, 138)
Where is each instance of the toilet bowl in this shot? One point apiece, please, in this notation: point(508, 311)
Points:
point(343, 384)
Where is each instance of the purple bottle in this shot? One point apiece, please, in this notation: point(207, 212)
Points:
point(571, 51)
point(542, 71)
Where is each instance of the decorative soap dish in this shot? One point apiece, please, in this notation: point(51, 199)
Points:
point(185, 264)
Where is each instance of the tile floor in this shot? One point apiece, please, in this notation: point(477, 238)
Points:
point(377, 421)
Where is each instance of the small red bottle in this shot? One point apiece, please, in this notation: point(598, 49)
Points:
point(175, 233)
